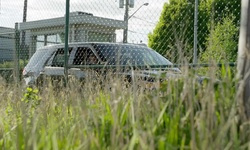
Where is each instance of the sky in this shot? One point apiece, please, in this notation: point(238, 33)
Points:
point(142, 22)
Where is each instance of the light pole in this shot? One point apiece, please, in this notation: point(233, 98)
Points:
point(125, 31)
point(127, 17)
point(145, 4)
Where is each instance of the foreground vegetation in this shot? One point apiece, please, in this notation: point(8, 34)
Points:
point(181, 114)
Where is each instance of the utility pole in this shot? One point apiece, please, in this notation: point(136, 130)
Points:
point(127, 17)
point(125, 31)
point(25, 10)
point(23, 45)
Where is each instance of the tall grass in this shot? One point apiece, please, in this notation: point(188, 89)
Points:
point(180, 114)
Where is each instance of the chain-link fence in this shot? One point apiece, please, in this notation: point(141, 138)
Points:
point(183, 31)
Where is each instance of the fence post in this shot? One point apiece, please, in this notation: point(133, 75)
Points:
point(16, 69)
point(243, 64)
point(66, 42)
point(195, 32)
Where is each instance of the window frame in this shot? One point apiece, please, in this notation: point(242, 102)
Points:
point(84, 48)
point(51, 61)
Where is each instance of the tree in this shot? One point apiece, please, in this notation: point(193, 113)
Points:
point(243, 66)
point(171, 30)
point(173, 35)
point(221, 44)
point(224, 8)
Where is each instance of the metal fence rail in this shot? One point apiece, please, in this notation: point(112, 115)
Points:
point(232, 64)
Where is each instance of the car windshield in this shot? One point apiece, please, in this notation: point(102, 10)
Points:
point(40, 57)
point(129, 55)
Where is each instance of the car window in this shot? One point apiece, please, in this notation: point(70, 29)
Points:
point(85, 56)
point(58, 60)
point(129, 55)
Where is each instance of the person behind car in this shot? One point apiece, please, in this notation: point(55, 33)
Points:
point(92, 60)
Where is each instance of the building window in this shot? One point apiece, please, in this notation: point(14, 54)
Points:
point(99, 37)
point(39, 41)
point(43, 40)
point(54, 39)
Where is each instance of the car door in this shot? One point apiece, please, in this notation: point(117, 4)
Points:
point(55, 66)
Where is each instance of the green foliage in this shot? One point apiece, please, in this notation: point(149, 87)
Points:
point(7, 64)
point(172, 30)
point(31, 97)
point(222, 42)
point(32, 101)
point(7, 70)
point(173, 35)
point(221, 9)
point(11, 64)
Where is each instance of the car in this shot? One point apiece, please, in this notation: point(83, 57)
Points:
point(128, 60)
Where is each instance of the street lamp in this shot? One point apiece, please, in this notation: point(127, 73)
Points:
point(127, 17)
point(145, 4)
